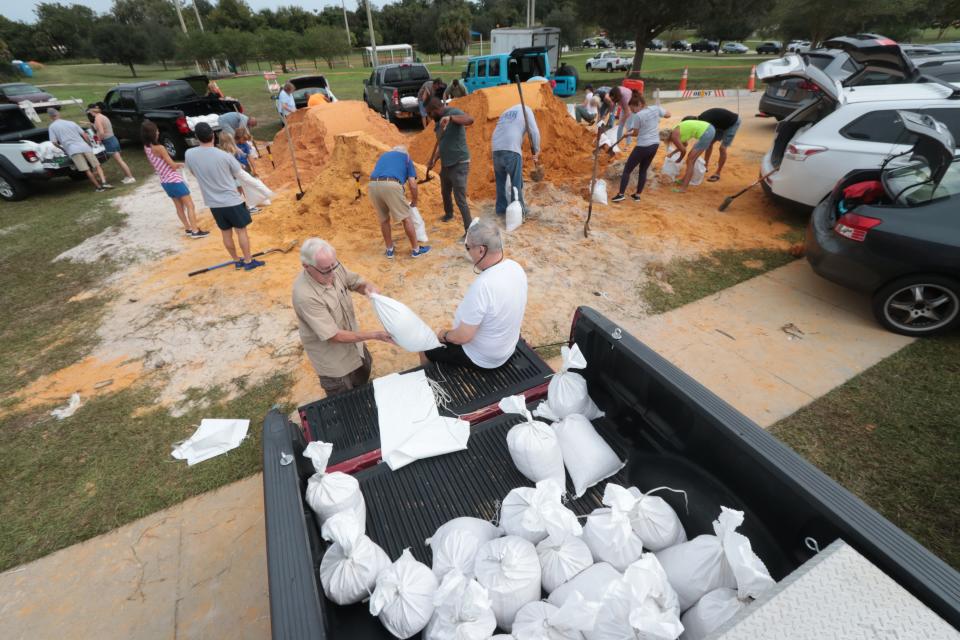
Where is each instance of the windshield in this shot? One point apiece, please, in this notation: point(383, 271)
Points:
point(910, 184)
point(161, 96)
point(20, 90)
point(405, 74)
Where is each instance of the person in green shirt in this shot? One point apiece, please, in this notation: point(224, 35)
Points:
point(454, 156)
point(703, 133)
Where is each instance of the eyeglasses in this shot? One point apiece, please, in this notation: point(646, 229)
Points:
point(327, 271)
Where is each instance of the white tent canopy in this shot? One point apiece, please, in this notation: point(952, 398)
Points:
point(389, 54)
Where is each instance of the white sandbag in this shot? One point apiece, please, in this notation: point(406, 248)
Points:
point(587, 456)
point(544, 621)
point(640, 605)
point(330, 493)
point(608, 532)
point(255, 192)
point(561, 559)
point(655, 521)
point(710, 562)
point(567, 391)
point(455, 544)
point(350, 566)
point(419, 226)
point(534, 513)
point(462, 610)
point(533, 446)
point(599, 195)
point(404, 326)
point(403, 597)
point(592, 584)
point(671, 169)
point(514, 216)
point(510, 570)
point(699, 172)
point(711, 611)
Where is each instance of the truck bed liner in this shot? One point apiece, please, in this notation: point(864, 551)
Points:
point(349, 420)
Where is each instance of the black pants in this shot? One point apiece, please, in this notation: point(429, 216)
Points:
point(639, 157)
point(453, 186)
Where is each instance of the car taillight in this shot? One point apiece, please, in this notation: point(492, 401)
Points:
point(239, 107)
point(30, 156)
point(182, 125)
point(855, 227)
point(800, 152)
point(806, 85)
point(396, 97)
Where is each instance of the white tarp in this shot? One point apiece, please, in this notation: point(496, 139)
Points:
point(411, 427)
point(213, 437)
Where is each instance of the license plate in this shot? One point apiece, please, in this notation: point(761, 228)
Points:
point(404, 114)
point(781, 93)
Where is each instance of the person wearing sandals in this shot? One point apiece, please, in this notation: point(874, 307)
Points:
point(170, 179)
point(690, 128)
point(644, 123)
point(726, 123)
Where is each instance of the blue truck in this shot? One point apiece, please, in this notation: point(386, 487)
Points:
point(498, 69)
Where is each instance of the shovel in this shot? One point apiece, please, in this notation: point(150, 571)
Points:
point(537, 173)
point(729, 199)
point(593, 182)
point(427, 177)
point(256, 255)
point(293, 157)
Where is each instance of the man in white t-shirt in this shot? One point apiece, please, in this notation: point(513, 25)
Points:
point(486, 325)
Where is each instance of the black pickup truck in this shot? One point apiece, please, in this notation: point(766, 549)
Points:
point(670, 430)
point(167, 103)
point(384, 91)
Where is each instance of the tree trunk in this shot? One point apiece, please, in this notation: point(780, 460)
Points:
point(283, 66)
point(132, 70)
point(330, 63)
point(164, 63)
point(315, 67)
point(641, 39)
point(258, 64)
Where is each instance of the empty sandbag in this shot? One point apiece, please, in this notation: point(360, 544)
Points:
point(544, 621)
point(640, 605)
point(710, 611)
point(509, 569)
point(591, 583)
point(528, 512)
point(567, 391)
point(403, 597)
point(561, 559)
point(514, 215)
point(462, 610)
point(533, 445)
point(608, 531)
point(710, 562)
point(455, 544)
point(350, 566)
point(330, 493)
point(655, 521)
point(404, 326)
point(419, 227)
point(587, 456)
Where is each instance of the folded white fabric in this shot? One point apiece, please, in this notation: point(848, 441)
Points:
point(411, 427)
point(213, 437)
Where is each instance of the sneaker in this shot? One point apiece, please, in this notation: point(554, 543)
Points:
point(447, 218)
point(99, 190)
point(187, 232)
point(128, 180)
point(238, 264)
point(253, 264)
point(254, 209)
point(423, 249)
point(636, 197)
point(199, 233)
point(389, 252)
point(106, 185)
point(618, 198)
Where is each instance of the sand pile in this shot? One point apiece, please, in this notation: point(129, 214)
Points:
point(313, 132)
point(567, 154)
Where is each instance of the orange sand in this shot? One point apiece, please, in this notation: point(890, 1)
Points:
point(88, 377)
point(567, 155)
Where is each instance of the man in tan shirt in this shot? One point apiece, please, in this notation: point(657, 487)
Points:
point(325, 318)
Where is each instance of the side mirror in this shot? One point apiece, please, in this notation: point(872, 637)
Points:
point(463, 74)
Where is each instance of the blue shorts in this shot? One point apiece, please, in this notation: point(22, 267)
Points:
point(111, 144)
point(727, 135)
point(704, 141)
point(423, 109)
point(176, 189)
point(235, 217)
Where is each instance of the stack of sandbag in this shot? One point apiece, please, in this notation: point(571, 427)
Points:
point(591, 583)
point(330, 493)
point(567, 391)
point(533, 446)
point(711, 562)
point(403, 597)
point(711, 611)
point(609, 532)
point(509, 569)
point(543, 621)
point(350, 566)
point(641, 604)
point(462, 610)
point(527, 512)
point(586, 455)
point(455, 544)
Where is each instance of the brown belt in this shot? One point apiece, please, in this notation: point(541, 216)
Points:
point(386, 180)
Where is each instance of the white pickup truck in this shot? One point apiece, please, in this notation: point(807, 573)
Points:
point(608, 61)
point(25, 160)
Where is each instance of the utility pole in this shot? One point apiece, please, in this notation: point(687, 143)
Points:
point(346, 25)
point(373, 39)
point(197, 12)
point(183, 25)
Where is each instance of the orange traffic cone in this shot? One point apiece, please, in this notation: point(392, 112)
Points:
point(683, 80)
point(752, 82)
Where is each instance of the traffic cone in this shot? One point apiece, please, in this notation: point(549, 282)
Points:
point(683, 80)
point(752, 82)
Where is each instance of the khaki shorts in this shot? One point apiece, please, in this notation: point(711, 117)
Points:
point(389, 201)
point(85, 161)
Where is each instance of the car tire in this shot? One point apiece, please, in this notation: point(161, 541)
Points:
point(387, 115)
point(12, 189)
point(175, 145)
point(918, 305)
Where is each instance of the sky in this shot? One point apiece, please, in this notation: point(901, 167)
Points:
point(22, 10)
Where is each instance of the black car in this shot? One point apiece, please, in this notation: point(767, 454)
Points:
point(770, 48)
point(705, 45)
point(655, 45)
point(306, 86)
point(680, 45)
point(894, 233)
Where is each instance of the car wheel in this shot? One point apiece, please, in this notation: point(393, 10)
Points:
point(386, 114)
point(12, 189)
point(175, 145)
point(920, 305)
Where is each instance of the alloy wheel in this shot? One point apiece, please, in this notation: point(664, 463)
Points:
point(921, 307)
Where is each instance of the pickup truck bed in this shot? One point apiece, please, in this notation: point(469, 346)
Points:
point(672, 432)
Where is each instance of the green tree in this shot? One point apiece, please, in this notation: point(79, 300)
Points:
point(453, 29)
point(68, 28)
point(232, 14)
point(279, 46)
point(817, 20)
point(163, 44)
point(571, 27)
point(198, 45)
point(118, 43)
point(729, 20)
point(942, 15)
point(145, 12)
point(293, 18)
point(326, 42)
point(239, 47)
point(399, 21)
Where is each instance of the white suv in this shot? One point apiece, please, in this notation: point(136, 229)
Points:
point(844, 128)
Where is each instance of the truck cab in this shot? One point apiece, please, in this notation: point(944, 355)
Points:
point(503, 68)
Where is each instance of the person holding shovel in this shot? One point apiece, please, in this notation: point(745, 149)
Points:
point(454, 155)
point(393, 170)
point(508, 153)
point(644, 123)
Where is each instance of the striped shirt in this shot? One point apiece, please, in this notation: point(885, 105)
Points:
point(166, 173)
